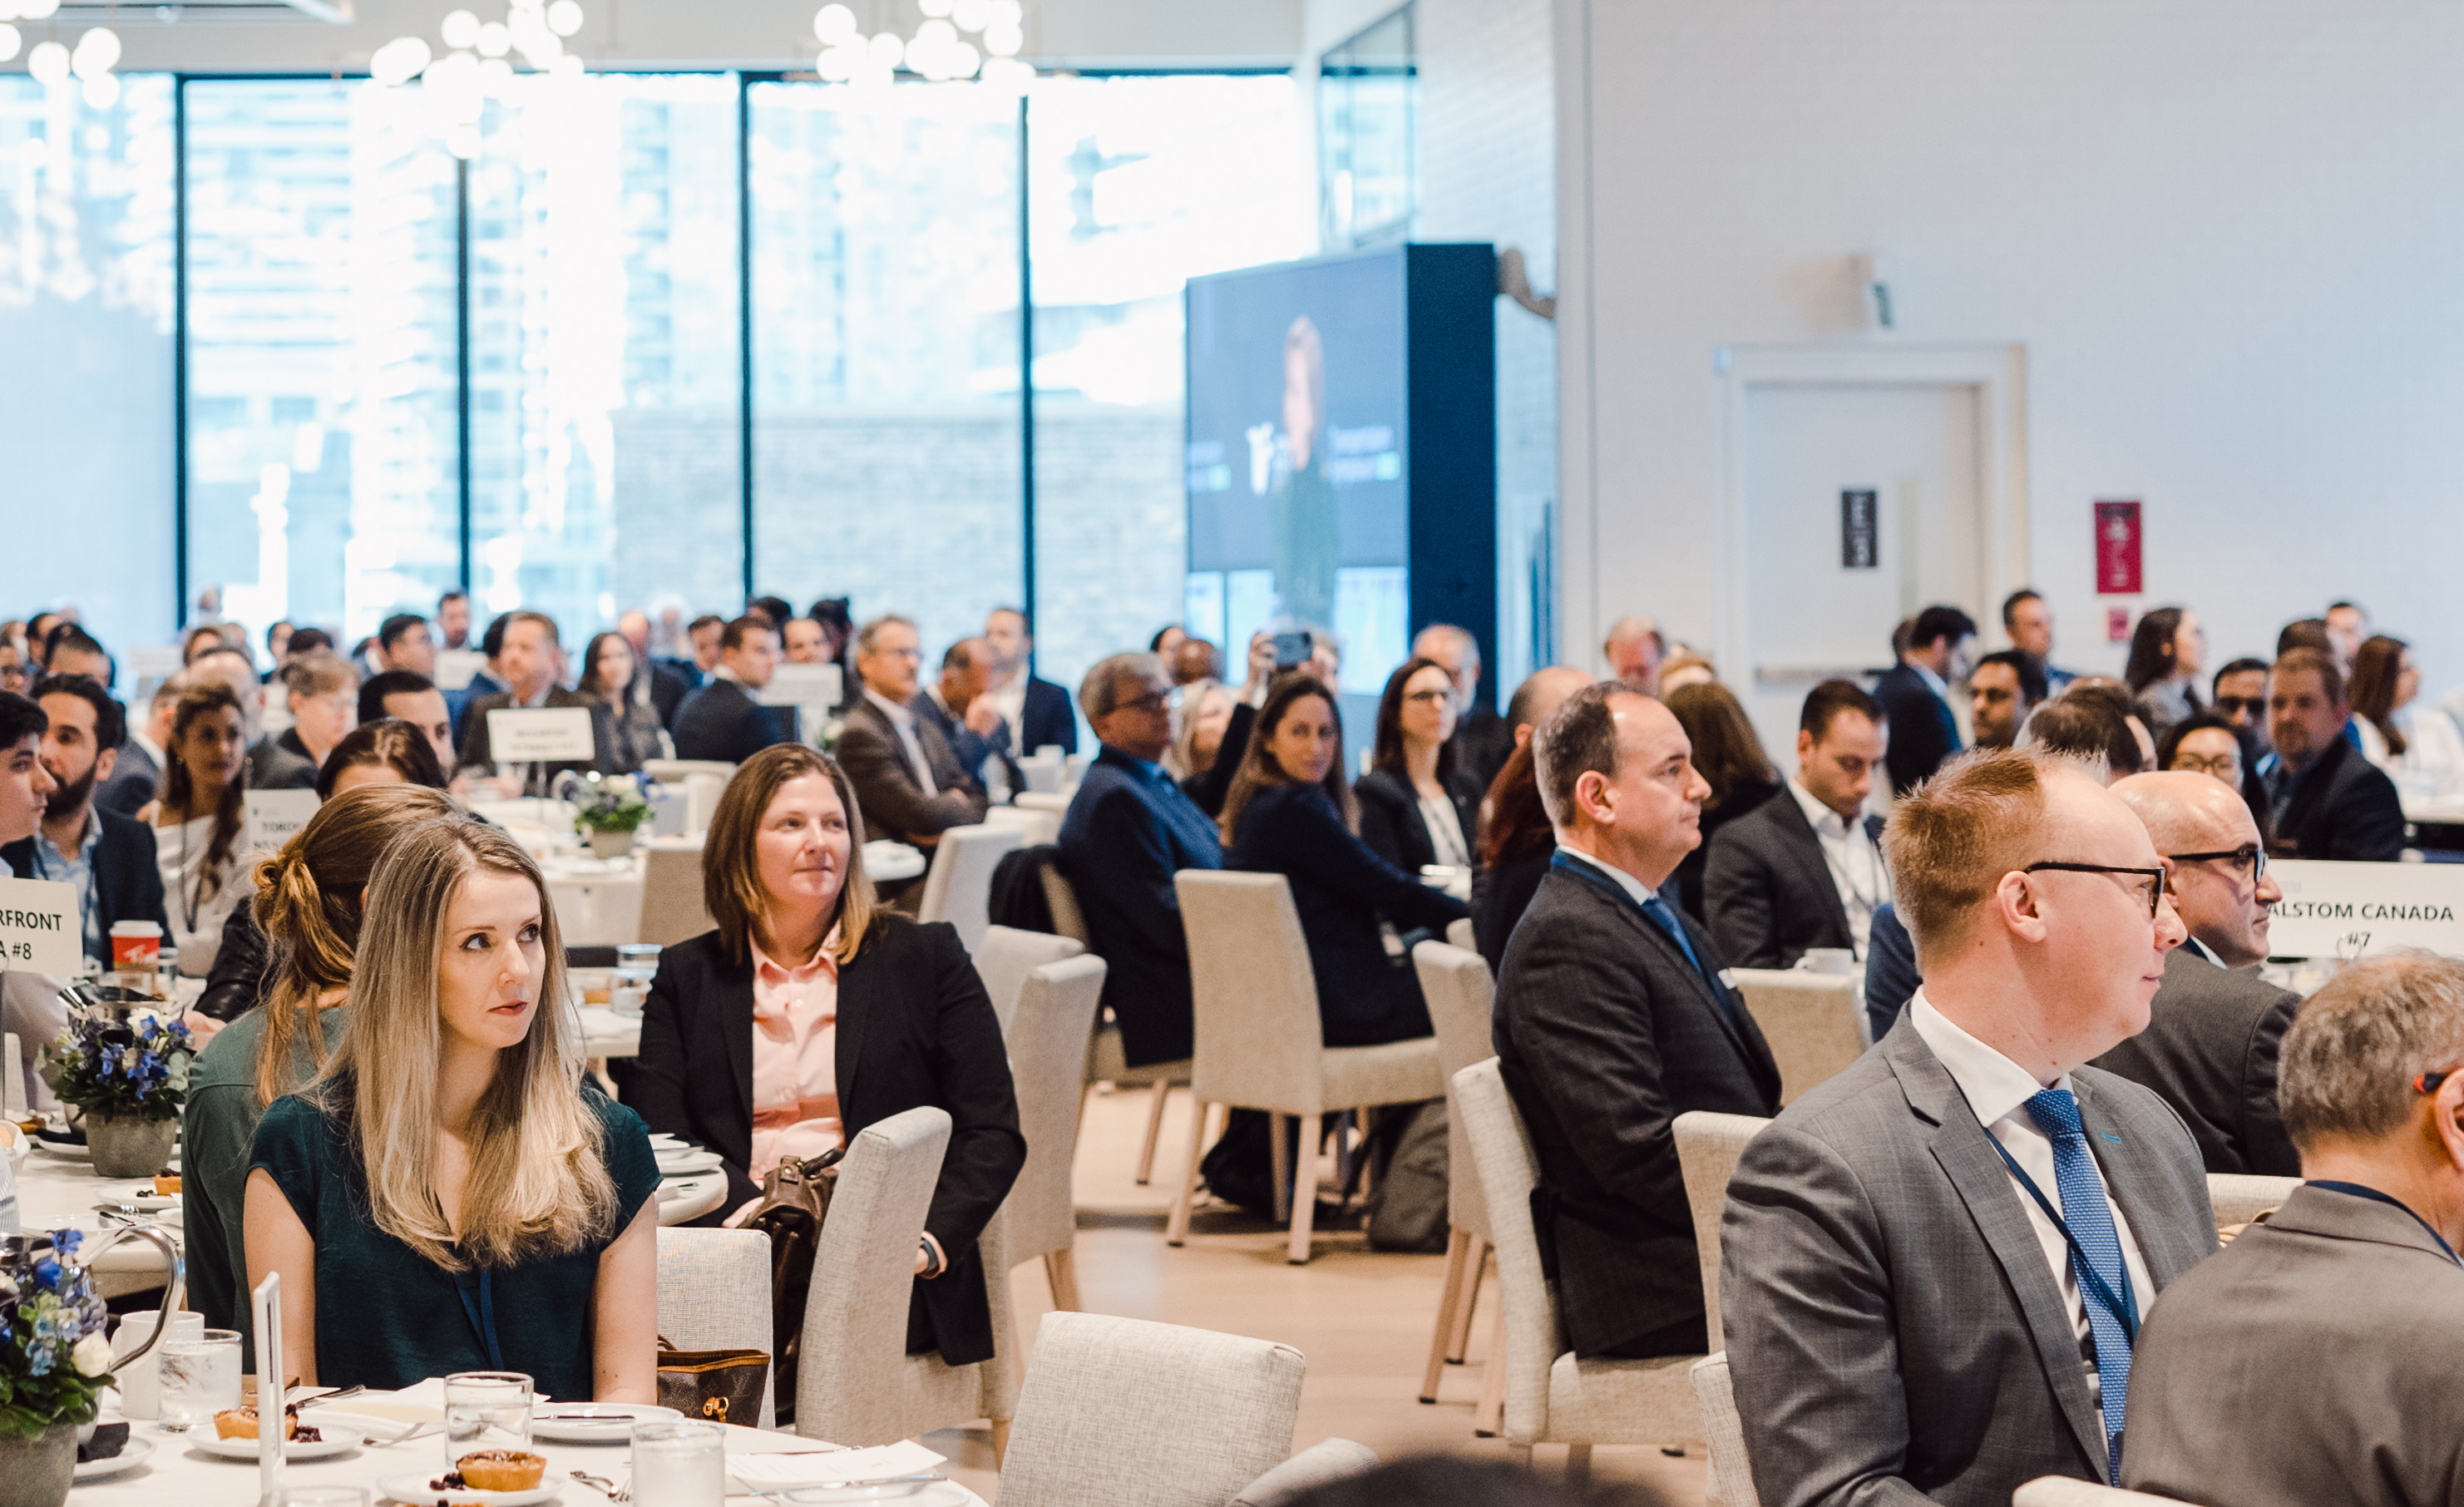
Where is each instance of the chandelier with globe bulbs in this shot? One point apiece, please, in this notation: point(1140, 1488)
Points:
point(478, 62)
point(53, 64)
point(941, 49)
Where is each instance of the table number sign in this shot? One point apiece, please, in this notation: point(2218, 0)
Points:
point(40, 929)
point(2352, 910)
point(454, 668)
point(270, 1390)
point(542, 734)
point(804, 685)
point(276, 816)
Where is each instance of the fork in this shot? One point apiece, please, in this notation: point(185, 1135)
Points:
point(604, 1487)
point(415, 1431)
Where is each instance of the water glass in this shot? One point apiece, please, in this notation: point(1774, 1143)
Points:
point(199, 1378)
point(141, 1381)
point(628, 990)
point(679, 1464)
point(486, 1410)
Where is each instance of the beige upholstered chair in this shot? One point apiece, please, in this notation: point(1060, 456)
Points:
point(1810, 1019)
point(1459, 934)
point(2059, 1491)
point(856, 1383)
point(1456, 984)
point(1119, 1412)
point(1035, 825)
point(715, 1295)
point(1047, 1034)
point(1321, 1464)
point(1708, 1148)
point(1007, 955)
point(958, 886)
point(675, 771)
point(1258, 1041)
point(1105, 1061)
point(2240, 1197)
point(1551, 1397)
point(672, 905)
point(1732, 1477)
point(1061, 897)
point(1041, 801)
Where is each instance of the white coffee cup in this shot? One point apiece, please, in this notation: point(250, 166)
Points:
point(141, 1384)
point(1827, 960)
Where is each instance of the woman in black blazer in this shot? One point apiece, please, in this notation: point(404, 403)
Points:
point(1729, 756)
point(783, 876)
point(1416, 807)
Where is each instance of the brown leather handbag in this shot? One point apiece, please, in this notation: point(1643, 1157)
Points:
point(795, 1204)
point(721, 1386)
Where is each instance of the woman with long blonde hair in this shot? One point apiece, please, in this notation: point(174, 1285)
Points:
point(448, 1195)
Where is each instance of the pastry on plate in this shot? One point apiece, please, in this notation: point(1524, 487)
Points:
point(501, 1470)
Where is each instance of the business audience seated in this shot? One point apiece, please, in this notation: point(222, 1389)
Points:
point(1129, 829)
point(1417, 806)
point(653, 682)
point(1915, 695)
point(2414, 742)
point(2348, 625)
point(2168, 649)
point(2327, 800)
point(17, 669)
point(2309, 632)
point(967, 717)
point(2003, 689)
point(615, 678)
point(530, 654)
point(1205, 714)
point(1195, 660)
point(2210, 743)
point(26, 786)
point(405, 646)
point(1515, 838)
point(454, 619)
point(1634, 649)
point(1933, 1264)
point(450, 1159)
point(1037, 711)
point(2210, 1048)
point(906, 778)
point(1729, 755)
point(230, 668)
point(812, 1012)
point(725, 720)
point(310, 897)
point(413, 699)
point(1481, 738)
point(137, 773)
point(2029, 624)
point(2091, 722)
point(1612, 1019)
point(2238, 695)
point(73, 651)
point(1805, 870)
point(1208, 786)
point(198, 820)
point(323, 694)
point(106, 859)
point(2310, 1361)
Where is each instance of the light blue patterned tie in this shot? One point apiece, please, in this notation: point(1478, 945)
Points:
point(2090, 1219)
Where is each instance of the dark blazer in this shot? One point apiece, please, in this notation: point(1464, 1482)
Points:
point(1129, 828)
point(1208, 788)
point(2344, 806)
point(127, 885)
point(1342, 890)
point(281, 762)
point(1891, 976)
point(134, 777)
point(1768, 889)
point(667, 693)
point(1390, 823)
point(914, 1027)
point(971, 748)
point(1499, 897)
point(1046, 718)
point(894, 806)
point(1891, 1322)
point(1605, 1034)
point(723, 721)
point(1689, 881)
point(2209, 1051)
point(1924, 733)
point(475, 754)
point(1483, 741)
point(236, 984)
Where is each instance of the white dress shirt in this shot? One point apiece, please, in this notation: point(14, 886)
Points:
point(1445, 830)
point(904, 721)
point(1011, 699)
point(1625, 882)
point(1998, 1089)
point(2199, 949)
point(1854, 863)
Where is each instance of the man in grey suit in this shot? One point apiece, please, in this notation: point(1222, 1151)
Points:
point(2314, 1360)
point(2213, 1031)
point(1933, 1266)
point(906, 778)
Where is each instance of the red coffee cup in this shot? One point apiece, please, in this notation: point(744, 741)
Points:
point(135, 944)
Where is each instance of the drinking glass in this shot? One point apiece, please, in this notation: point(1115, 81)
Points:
point(680, 1464)
point(199, 1378)
point(486, 1410)
point(628, 990)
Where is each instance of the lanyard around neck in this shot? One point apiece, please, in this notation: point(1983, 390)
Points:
point(2118, 1305)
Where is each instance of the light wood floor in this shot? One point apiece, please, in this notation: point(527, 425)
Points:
point(1363, 1319)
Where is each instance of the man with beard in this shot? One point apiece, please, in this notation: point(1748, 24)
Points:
point(107, 858)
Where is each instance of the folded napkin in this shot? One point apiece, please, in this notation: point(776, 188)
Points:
point(833, 1468)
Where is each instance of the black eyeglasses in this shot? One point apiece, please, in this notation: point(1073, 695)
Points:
point(2248, 855)
point(2238, 705)
point(1152, 701)
point(2155, 878)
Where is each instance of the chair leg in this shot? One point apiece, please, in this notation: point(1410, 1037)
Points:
point(1485, 1418)
point(1000, 1442)
point(1304, 1191)
point(1578, 1464)
point(1155, 1130)
point(1177, 1229)
point(1060, 1272)
point(1279, 1162)
point(1457, 1243)
point(1472, 1269)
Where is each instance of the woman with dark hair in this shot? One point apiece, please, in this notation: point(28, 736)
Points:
point(1729, 757)
point(197, 820)
point(612, 676)
point(2210, 744)
point(387, 751)
point(2168, 650)
point(2420, 745)
point(742, 1050)
point(1516, 843)
point(1416, 808)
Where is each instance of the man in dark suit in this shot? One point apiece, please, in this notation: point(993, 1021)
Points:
point(139, 768)
point(413, 699)
point(2329, 802)
point(966, 717)
point(667, 689)
point(1484, 740)
point(722, 721)
point(2210, 1048)
point(1612, 1018)
point(106, 857)
point(1807, 870)
point(1916, 695)
point(1129, 828)
point(1933, 1264)
point(906, 779)
point(529, 653)
point(1037, 711)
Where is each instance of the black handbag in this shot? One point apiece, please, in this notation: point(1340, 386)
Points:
point(721, 1386)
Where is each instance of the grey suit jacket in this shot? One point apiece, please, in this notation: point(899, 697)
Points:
point(1894, 1332)
point(894, 804)
point(2314, 1360)
point(2209, 1051)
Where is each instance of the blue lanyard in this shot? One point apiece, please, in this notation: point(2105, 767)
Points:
point(2358, 1191)
point(483, 1317)
point(2121, 1307)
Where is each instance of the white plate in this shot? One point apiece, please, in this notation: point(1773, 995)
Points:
point(609, 1423)
point(661, 1140)
point(934, 1493)
point(415, 1490)
point(131, 1456)
point(338, 1439)
point(148, 1202)
point(676, 1164)
point(66, 1153)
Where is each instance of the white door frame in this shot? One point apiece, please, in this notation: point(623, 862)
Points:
point(1996, 373)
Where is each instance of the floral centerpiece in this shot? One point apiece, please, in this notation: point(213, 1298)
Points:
point(55, 1362)
point(129, 1075)
point(609, 811)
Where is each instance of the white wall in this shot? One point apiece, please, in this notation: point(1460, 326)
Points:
point(2230, 234)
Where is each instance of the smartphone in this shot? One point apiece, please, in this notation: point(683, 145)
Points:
point(1292, 649)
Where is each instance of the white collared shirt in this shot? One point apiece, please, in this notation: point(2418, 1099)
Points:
point(1627, 882)
point(1011, 699)
point(2199, 949)
point(153, 749)
point(904, 721)
point(1998, 1090)
point(1854, 863)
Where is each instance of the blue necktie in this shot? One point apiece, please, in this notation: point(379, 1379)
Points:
point(1666, 918)
point(2092, 1236)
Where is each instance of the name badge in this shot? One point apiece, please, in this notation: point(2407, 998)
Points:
point(40, 930)
point(549, 733)
point(273, 816)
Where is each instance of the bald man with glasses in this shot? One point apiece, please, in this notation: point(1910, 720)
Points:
point(2215, 1027)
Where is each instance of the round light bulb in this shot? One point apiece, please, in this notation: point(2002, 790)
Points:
point(962, 60)
point(935, 34)
point(969, 16)
point(97, 50)
point(102, 91)
point(495, 73)
point(11, 10)
point(833, 24)
point(1007, 13)
point(48, 63)
point(460, 29)
point(838, 64)
point(495, 39)
point(934, 7)
point(886, 49)
point(1002, 40)
point(10, 41)
point(37, 9)
point(567, 65)
point(564, 17)
point(462, 141)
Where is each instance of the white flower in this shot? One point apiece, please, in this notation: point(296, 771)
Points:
point(92, 1356)
point(146, 1021)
